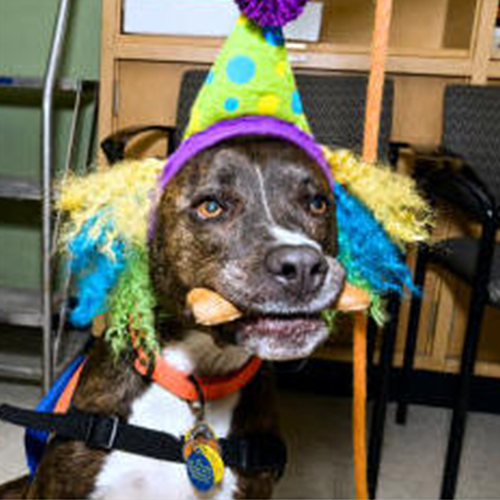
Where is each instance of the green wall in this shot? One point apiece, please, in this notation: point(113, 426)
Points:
point(25, 35)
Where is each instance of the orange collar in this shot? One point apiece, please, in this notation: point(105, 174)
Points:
point(175, 381)
point(181, 384)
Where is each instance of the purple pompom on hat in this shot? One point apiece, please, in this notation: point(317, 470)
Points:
point(271, 13)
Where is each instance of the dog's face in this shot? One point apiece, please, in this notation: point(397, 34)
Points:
point(253, 220)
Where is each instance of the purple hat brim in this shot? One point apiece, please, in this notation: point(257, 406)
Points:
point(263, 126)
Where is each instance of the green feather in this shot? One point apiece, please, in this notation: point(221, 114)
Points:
point(132, 304)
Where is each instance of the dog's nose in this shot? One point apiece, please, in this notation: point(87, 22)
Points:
point(301, 269)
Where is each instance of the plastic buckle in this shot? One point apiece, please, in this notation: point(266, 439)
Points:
point(101, 432)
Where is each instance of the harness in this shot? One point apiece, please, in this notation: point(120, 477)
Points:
point(204, 454)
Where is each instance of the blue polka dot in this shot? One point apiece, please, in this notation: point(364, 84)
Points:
point(240, 70)
point(297, 103)
point(231, 104)
point(210, 77)
point(274, 36)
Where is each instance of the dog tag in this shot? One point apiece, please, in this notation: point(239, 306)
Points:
point(204, 463)
point(200, 471)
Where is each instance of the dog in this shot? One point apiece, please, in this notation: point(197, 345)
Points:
point(254, 220)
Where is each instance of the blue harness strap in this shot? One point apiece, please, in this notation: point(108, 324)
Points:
point(35, 441)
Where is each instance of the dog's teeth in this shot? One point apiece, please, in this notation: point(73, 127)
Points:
point(210, 309)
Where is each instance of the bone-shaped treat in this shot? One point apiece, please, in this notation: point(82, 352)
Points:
point(210, 309)
point(353, 299)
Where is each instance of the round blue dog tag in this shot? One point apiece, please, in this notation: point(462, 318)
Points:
point(200, 470)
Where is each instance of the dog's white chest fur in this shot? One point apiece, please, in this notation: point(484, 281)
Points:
point(128, 476)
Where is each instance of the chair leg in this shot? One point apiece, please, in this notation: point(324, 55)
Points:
point(376, 439)
point(371, 333)
point(478, 303)
point(461, 401)
point(411, 340)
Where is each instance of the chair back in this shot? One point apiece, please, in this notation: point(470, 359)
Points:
point(472, 130)
point(334, 106)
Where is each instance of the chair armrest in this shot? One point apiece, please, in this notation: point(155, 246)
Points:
point(443, 175)
point(114, 146)
point(395, 148)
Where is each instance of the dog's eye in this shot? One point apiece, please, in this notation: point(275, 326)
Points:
point(318, 205)
point(209, 209)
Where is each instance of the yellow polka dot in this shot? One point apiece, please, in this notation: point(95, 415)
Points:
point(268, 104)
point(281, 68)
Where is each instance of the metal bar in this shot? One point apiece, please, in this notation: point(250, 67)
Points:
point(371, 333)
point(70, 153)
point(63, 311)
point(19, 372)
point(410, 349)
point(18, 188)
point(376, 439)
point(35, 83)
point(50, 81)
point(93, 132)
point(478, 303)
point(77, 108)
point(21, 306)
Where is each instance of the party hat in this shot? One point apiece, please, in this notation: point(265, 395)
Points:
point(251, 77)
point(250, 89)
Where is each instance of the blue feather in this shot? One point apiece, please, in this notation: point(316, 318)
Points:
point(96, 271)
point(367, 253)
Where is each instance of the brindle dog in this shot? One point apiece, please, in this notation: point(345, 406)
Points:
point(253, 220)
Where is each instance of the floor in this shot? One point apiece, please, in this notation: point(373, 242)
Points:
point(318, 431)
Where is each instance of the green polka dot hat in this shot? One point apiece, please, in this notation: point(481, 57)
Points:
point(251, 77)
point(250, 90)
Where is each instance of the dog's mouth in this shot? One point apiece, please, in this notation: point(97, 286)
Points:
point(281, 338)
point(273, 336)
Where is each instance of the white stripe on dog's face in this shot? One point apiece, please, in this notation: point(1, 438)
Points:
point(293, 238)
point(282, 235)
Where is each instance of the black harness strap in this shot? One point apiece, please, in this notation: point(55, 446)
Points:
point(250, 453)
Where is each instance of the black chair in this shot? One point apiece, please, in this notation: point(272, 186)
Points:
point(335, 107)
point(466, 173)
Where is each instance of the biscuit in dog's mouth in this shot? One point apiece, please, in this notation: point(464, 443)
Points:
point(280, 337)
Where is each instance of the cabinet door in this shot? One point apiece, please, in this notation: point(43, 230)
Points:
point(147, 94)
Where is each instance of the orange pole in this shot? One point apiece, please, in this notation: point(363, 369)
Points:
point(359, 406)
point(380, 43)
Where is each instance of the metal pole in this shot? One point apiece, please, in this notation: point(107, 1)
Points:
point(50, 82)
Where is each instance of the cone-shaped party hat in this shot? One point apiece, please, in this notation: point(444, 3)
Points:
point(250, 90)
point(251, 77)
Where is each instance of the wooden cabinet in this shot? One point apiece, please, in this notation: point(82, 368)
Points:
point(433, 43)
point(494, 67)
